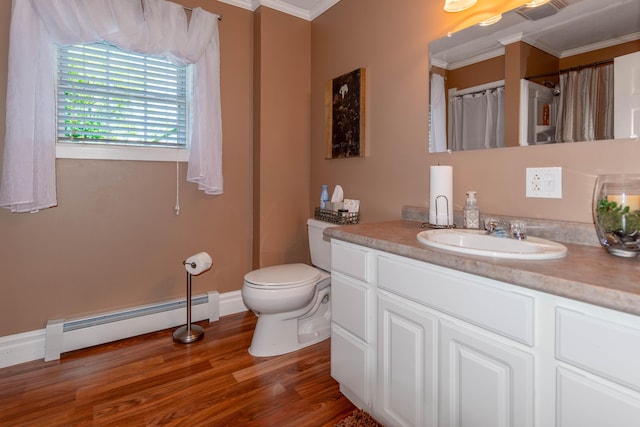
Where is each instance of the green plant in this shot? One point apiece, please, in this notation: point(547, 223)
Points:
point(612, 217)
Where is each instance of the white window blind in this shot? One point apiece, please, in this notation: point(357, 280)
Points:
point(110, 96)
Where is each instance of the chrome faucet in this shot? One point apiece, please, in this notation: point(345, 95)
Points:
point(516, 229)
point(496, 228)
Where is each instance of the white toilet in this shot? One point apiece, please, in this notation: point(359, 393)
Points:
point(292, 301)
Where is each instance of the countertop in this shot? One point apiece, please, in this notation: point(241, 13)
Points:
point(588, 273)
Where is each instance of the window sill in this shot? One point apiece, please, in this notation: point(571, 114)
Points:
point(111, 152)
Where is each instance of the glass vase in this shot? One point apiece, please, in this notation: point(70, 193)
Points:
point(616, 213)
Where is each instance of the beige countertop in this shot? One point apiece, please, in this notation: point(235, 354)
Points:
point(588, 273)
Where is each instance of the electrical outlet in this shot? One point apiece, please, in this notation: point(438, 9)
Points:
point(544, 183)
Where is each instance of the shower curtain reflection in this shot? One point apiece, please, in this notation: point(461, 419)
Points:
point(477, 120)
point(585, 108)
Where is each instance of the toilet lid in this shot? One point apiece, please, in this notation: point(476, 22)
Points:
point(283, 276)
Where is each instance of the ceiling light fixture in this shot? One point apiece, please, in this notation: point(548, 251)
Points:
point(458, 5)
point(536, 3)
point(489, 21)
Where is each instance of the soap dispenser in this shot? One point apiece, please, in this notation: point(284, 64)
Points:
point(471, 211)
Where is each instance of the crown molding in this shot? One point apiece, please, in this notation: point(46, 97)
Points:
point(243, 4)
point(315, 7)
point(320, 7)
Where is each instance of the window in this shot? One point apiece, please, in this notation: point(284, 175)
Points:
point(113, 103)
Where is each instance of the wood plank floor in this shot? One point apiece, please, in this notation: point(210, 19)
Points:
point(150, 381)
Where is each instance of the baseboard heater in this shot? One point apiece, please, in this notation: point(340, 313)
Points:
point(62, 335)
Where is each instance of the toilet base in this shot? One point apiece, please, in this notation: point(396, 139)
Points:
point(275, 334)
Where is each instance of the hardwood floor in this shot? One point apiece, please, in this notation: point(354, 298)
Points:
point(150, 380)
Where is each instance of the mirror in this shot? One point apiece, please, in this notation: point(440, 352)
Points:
point(510, 83)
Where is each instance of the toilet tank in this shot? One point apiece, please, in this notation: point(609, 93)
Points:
point(319, 246)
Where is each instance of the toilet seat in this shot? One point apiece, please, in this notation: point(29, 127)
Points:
point(285, 276)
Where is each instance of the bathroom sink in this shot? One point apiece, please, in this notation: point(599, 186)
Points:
point(478, 242)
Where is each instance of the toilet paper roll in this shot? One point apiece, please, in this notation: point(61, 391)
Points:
point(198, 263)
point(441, 195)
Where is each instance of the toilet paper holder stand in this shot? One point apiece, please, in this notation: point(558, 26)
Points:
point(188, 333)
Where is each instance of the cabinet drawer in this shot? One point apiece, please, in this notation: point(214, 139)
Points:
point(351, 363)
point(608, 349)
point(484, 302)
point(352, 261)
point(351, 306)
point(590, 402)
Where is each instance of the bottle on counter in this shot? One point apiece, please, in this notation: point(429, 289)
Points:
point(471, 211)
point(324, 197)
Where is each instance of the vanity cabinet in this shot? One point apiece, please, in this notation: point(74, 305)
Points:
point(422, 345)
point(353, 322)
point(471, 338)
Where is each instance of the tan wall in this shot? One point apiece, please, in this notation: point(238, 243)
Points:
point(536, 61)
point(114, 240)
point(476, 74)
point(392, 43)
point(281, 142)
point(513, 72)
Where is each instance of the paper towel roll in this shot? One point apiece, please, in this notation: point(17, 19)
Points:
point(441, 195)
point(198, 263)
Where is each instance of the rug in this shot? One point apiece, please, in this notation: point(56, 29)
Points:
point(359, 418)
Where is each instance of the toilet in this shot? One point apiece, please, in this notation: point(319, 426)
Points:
point(292, 301)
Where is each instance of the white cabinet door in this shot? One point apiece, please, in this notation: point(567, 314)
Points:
point(627, 96)
point(483, 382)
point(406, 364)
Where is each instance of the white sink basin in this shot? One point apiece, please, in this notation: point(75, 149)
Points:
point(478, 242)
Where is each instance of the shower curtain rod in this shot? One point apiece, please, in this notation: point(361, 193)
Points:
point(190, 9)
point(477, 92)
point(566, 70)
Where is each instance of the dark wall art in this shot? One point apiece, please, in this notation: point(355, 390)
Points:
point(344, 115)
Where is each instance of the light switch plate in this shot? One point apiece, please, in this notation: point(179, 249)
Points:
point(544, 183)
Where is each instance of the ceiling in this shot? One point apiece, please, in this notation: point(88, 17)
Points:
point(305, 9)
point(580, 26)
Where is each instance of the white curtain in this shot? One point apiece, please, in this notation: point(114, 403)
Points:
point(153, 27)
point(585, 107)
point(438, 130)
point(478, 120)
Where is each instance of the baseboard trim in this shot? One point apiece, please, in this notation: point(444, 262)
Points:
point(20, 348)
point(29, 346)
point(231, 303)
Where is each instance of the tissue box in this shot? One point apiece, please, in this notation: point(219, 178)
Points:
point(352, 205)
